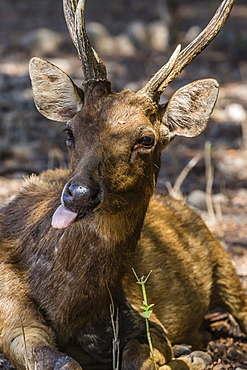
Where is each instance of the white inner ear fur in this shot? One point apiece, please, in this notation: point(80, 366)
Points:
point(188, 111)
point(55, 94)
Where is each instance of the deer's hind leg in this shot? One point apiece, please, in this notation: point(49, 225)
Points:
point(228, 292)
point(24, 337)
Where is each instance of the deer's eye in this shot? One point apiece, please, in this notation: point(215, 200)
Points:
point(145, 142)
point(70, 137)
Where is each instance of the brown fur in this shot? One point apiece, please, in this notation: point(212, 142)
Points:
point(55, 283)
point(58, 286)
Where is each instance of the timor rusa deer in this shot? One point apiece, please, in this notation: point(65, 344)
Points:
point(70, 238)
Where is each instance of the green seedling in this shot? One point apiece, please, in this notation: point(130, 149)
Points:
point(147, 312)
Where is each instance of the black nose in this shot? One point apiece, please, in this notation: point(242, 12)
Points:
point(81, 198)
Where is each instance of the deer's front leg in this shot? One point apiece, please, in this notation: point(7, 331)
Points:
point(136, 353)
point(24, 337)
point(137, 357)
point(32, 354)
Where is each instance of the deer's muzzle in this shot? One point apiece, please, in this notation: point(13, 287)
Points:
point(77, 201)
point(81, 198)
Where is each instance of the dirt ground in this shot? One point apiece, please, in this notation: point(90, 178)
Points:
point(126, 34)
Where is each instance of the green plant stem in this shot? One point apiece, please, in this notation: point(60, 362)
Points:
point(142, 281)
point(150, 343)
point(144, 294)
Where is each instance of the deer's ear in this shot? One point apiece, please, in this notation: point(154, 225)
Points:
point(55, 95)
point(188, 111)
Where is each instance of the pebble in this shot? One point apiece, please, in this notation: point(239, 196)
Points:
point(138, 33)
point(236, 112)
point(205, 357)
point(159, 36)
point(197, 198)
point(181, 350)
point(192, 33)
point(149, 36)
point(100, 38)
point(124, 46)
point(43, 39)
point(199, 359)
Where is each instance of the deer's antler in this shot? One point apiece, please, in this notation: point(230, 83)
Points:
point(92, 65)
point(179, 60)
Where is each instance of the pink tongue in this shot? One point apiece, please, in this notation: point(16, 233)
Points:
point(62, 218)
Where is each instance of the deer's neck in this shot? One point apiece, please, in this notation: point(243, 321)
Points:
point(103, 247)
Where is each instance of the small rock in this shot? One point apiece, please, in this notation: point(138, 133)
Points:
point(42, 39)
point(192, 33)
point(100, 38)
point(219, 198)
point(158, 36)
point(181, 350)
point(197, 198)
point(236, 112)
point(205, 357)
point(124, 46)
point(138, 34)
point(240, 197)
point(199, 359)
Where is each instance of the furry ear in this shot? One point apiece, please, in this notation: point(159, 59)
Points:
point(188, 111)
point(55, 94)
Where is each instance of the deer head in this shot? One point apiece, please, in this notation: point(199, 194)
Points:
point(115, 139)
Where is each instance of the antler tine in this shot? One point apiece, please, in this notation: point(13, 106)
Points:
point(92, 65)
point(153, 90)
point(154, 83)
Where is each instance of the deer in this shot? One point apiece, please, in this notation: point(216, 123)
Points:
point(70, 237)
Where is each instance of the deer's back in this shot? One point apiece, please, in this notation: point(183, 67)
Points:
point(181, 252)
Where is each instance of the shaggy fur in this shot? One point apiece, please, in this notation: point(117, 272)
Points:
point(61, 288)
point(56, 285)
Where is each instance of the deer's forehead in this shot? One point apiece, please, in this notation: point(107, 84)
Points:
point(124, 109)
point(126, 115)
